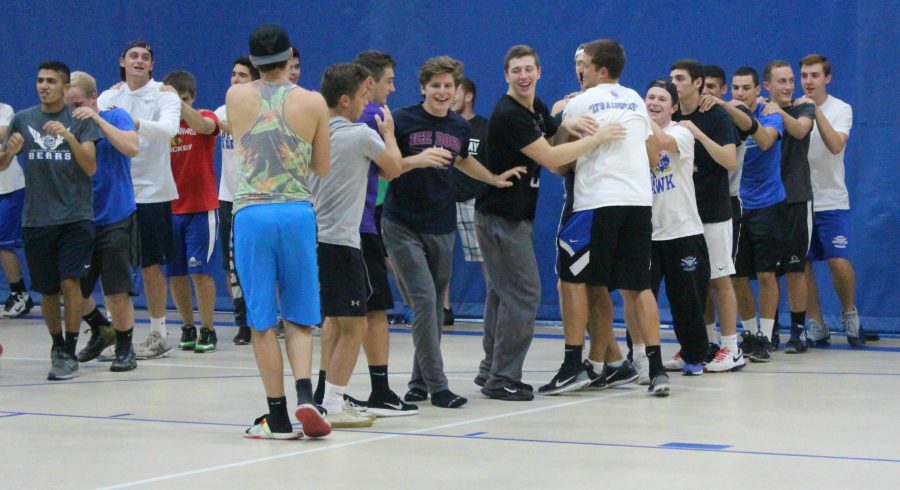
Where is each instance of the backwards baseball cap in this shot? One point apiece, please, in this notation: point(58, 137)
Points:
point(269, 44)
point(129, 47)
point(666, 85)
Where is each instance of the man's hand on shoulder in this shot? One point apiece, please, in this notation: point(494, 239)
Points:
point(385, 122)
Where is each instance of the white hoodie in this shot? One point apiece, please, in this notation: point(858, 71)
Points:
point(159, 114)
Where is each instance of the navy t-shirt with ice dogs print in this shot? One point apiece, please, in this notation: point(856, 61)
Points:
point(423, 198)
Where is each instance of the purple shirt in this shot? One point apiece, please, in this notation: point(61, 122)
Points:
point(367, 225)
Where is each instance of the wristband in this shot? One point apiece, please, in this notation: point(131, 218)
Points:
point(754, 126)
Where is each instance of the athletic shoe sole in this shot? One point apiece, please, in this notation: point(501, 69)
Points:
point(54, 377)
point(389, 412)
point(314, 425)
point(573, 386)
point(150, 357)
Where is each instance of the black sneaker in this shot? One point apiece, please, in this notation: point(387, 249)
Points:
point(711, 351)
point(598, 380)
point(389, 405)
point(763, 352)
point(523, 386)
point(622, 375)
point(795, 345)
point(776, 341)
point(242, 337)
point(480, 380)
point(415, 395)
point(357, 404)
point(207, 341)
point(566, 379)
point(101, 338)
point(748, 342)
point(509, 393)
point(188, 337)
point(124, 361)
point(449, 317)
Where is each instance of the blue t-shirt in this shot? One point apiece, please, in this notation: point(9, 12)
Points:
point(113, 190)
point(367, 225)
point(761, 185)
point(423, 199)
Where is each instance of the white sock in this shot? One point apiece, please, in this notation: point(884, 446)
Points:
point(158, 325)
point(766, 325)
point(730, 342)
point(711, 333)
point(639, 349)
point(333, 401)
point(598, 366)
point(750, 325)
point(615, 364)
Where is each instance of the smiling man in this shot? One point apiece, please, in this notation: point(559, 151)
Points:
point(58, 217)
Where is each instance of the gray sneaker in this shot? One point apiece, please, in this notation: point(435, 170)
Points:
point(855, 335)
point(62, 365)
point(153, 347)
point(817, 335)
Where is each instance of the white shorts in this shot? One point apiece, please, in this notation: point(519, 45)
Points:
point(719, 242)
point(465, 224)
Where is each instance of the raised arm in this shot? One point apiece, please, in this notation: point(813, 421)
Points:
point(473, 168)
point(84, 151)
point(390, 160)
point(796, 127)
point(166, 127)
point(9, 151)
point(724, 155)
point(197, 121)
point(126, 141)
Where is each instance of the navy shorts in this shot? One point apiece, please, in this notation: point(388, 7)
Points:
point(194, 235)
point(11, 205)
point(830, 235)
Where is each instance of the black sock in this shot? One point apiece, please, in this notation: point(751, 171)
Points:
point(123, 339)
point(71, 342)
point(655, 356)
point(379, 376)
point(304, 392)
point(573, 355)
point(96, 319)
point(319, 395)
point(278, 415)
point(58, 340)
point(17, 287)
point(447, 399)
point(798, 320)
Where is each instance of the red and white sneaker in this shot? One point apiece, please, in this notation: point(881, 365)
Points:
point(261, 430)
point(725, 361)
point(312, 420)
point(676, 363)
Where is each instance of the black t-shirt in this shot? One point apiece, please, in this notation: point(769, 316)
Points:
point(795, 160)
point(422, 198)
point(511, 128)
point(739, 133)
point(711, 179)
point(466, 187)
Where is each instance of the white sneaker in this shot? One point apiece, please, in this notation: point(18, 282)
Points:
point(349, 418)
point(676, 363)
point(726, 362)
point(153, 347)
point(16, 305)
point(642, 364)
point(108, 354)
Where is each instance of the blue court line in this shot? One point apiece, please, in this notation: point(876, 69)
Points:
point(10, 414)
point(690, 445)
point(665, 447)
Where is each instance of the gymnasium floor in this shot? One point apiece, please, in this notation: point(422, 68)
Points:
point(827, 419)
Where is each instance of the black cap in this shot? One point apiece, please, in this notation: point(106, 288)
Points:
point(269, 44)
point(666, 85)
point(130, 46)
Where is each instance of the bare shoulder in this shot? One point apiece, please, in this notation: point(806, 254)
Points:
point(306, 99)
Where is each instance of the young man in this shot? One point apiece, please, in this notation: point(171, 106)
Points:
point(831, 201)
point(764, 216)
point(242, 71)
point(155, 114)
point(275, 225)
point(795, 176)
point(420, 218)
point(612, 219)
point(194, 216)
point(12, 198)
point(679, 249)
point(714, 157)
point(58, 218)
point(518, 128)
point(114, 260)
point(294, 66)
point(340, 199)
point(466, 187)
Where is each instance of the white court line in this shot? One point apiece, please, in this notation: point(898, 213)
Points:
point(372, 439)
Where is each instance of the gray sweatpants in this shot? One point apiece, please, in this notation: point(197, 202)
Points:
point(422, 263)
point(513, 296)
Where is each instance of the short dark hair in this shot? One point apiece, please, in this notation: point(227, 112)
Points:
point(815, 59)
point(745, 71)
point(376, 61)
point(295, 53)
point(342, 79)
point(468, 87)
point(520, 51)
point(668, 86)
point(767, 70)
point(606, 53)
point(57, 66)
point(183, 82)
point(714, 71)
point(440, 65)
point(246, 63)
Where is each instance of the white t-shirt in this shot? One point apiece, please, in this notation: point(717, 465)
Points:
point(675, 212)
point(228, 180)
point(11, 179)
point(825, 168)
point(159, 114)
point(614, 174)
point(734, 176)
